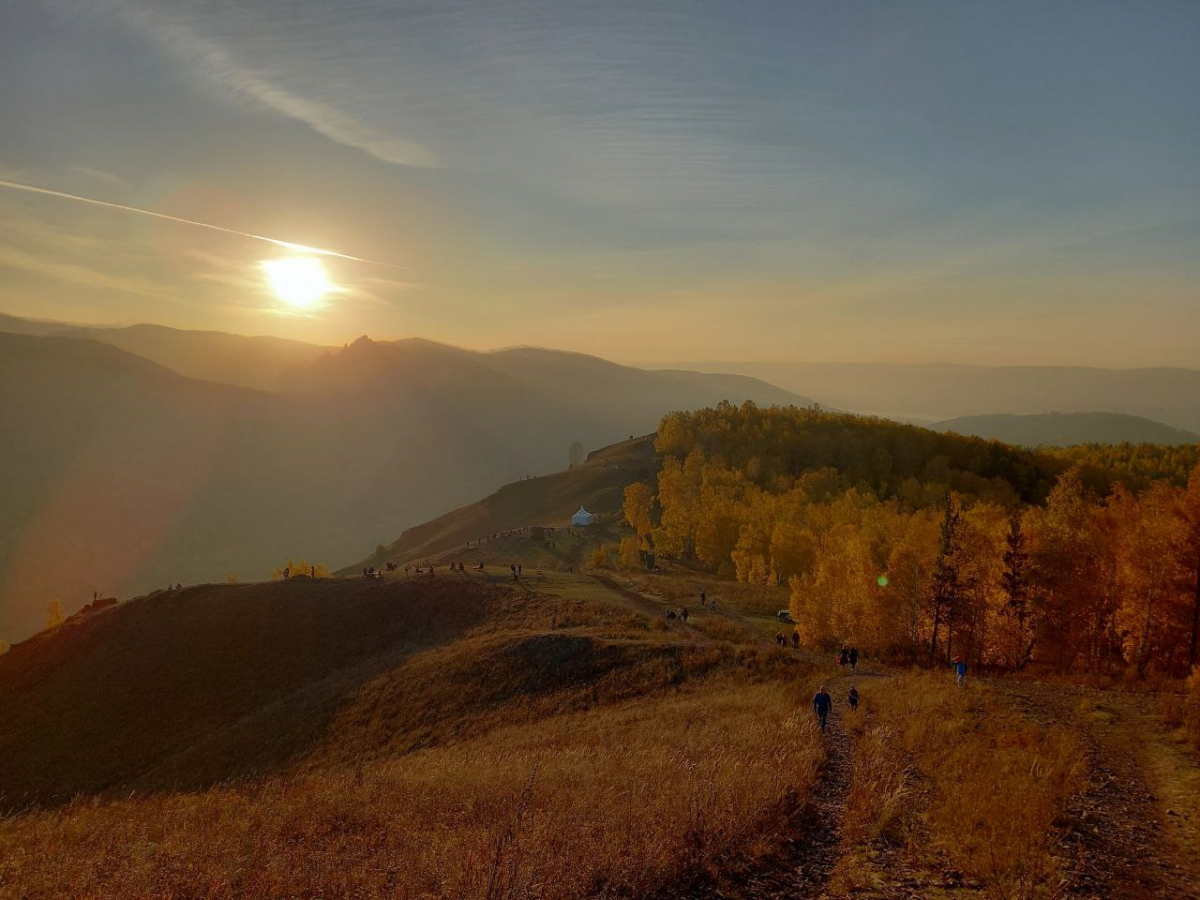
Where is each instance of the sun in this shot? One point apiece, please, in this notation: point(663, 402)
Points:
point(298, 281)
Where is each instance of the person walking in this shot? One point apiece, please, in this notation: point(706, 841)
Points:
point(960, 671)
point(822, 703)
point(795, 640)
point(852, 698)
point(843, 656)
point(853, 659)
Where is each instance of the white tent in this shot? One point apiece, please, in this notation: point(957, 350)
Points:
point(583, 517)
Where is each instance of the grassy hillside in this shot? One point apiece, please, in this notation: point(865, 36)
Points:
point(1068, 429)
point(345, 723)
point(107, 700)
point(598, 484)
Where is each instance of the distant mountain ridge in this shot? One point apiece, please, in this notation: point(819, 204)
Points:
point(934, 392)
point(1068, 429)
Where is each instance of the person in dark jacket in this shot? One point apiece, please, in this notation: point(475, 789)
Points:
point(853, 659)
point(795, 640)
point(822, 703)
point(843, 656)
point(853, 697)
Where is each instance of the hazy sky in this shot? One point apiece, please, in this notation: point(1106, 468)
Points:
point(963, 181)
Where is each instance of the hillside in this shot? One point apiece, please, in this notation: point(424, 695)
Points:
point(129, 475)
point(103, 701)
point(1068, 429)
point(939, 391)
point(598, 484)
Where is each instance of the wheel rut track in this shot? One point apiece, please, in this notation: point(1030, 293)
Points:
point(1113, 843)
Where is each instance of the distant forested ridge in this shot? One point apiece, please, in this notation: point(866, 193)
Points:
point(917, 544)
point(1138, 463)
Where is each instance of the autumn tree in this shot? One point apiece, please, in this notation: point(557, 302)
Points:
point(4, 646)
point(629, 554)
point(639, 502)
point(1151, 541)
point(1191, 560)
point(945, 590)
point(1063, 571)
point(679, 497)
point(1014, 585)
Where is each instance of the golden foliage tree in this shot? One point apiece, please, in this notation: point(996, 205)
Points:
point(629, 552)
point(639, 502)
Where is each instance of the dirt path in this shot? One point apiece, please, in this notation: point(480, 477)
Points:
point(1122, 840)
point(803, 862)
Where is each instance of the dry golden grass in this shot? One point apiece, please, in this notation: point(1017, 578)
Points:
point(1181, 710)
point(612, 802)
point(963, 781)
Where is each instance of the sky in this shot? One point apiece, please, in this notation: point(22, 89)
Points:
point(998, 183)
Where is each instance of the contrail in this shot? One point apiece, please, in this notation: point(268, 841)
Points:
point(47, 192)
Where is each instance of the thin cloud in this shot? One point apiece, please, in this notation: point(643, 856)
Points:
point(174, 37)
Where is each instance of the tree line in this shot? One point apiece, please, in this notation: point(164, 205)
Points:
point(920, 545)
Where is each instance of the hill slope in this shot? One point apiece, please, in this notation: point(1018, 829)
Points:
point(597, 484)
point(1068, 429)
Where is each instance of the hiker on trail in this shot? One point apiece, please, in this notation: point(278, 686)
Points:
point(513, 568)
point(822, 703)
point(669, 615)
point(853, 659)
point(520, 571)
point(960, 671)
point(703, 599)
point(286, 573)
point(779, 639)
point(683, 614)
point(853, 697)
point(795, 640)
point(843, 656)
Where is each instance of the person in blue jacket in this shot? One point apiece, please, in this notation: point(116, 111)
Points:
point(960, 671)
point(822, 703)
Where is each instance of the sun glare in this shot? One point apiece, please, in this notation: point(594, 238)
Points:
point(298, 281)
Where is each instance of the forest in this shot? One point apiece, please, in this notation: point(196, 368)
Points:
point(922, 546)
